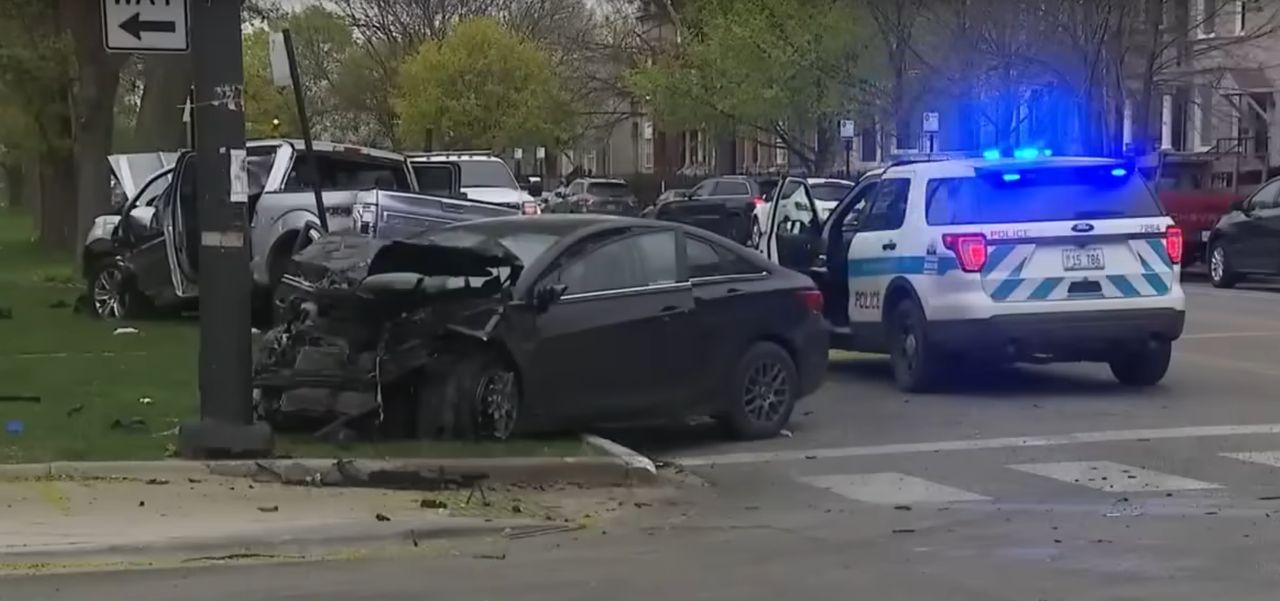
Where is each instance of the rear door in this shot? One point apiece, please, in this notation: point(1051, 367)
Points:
point(182, 230)
point(1059, 233)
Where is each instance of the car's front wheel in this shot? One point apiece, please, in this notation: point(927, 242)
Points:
point(1145, 366)
point(1221, 274)
point(762, 393)
point(112, 293)
point(478, 396)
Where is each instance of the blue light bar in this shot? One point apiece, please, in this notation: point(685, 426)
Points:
point(991, 154)
point(1011, 177)
point(1026, 153)
point(1119, 172)
point(1048, 152)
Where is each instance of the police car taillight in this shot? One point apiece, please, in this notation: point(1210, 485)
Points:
point(1173, 243)
point(812, 300)
point(970, 250)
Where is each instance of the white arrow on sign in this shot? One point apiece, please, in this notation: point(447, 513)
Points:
point(145, 25)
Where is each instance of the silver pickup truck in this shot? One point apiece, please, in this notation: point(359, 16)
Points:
point(146, 254)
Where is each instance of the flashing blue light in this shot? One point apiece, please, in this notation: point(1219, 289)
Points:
point(1119, 172)
point(1048, 152)
point(1011, 177)
point(1026, 153)
point(991, 154)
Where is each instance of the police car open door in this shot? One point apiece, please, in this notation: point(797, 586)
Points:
point(793, 228)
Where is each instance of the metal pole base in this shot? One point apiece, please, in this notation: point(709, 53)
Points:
point(211, 439)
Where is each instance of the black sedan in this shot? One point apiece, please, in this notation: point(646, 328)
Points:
point(1246, 241)
point(498, 326)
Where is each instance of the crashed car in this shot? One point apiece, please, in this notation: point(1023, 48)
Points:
point(522, 324)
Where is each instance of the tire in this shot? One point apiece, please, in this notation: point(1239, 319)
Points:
point(917, 365)
point(112, 294)
point(1220, 273)
point(761, 394)
point(756, 234)
point(1145, 366)
point(477, 396)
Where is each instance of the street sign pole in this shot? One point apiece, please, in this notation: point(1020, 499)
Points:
point(226, 427)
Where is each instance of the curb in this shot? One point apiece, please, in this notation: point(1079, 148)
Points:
point(619, 467)
point(291, 540)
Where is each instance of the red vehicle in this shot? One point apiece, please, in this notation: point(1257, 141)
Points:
point(1185, 191)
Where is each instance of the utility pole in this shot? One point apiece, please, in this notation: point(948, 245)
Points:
point(226, 427)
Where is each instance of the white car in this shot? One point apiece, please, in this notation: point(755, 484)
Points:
point(484, 177)
point(1034, 259)
point(826, 193)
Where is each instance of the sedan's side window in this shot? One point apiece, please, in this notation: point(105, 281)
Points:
point(632, 262)
point(706, 260)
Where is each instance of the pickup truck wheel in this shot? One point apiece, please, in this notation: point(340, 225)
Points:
point(1220, 272)
point(112, 292)
point(1145, 366)
point(916, 363)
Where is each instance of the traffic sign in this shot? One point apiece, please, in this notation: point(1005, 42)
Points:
point(847, 130)
point(932, 123)
point(145, 26)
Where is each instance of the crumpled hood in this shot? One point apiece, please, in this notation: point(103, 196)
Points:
point(502, 196)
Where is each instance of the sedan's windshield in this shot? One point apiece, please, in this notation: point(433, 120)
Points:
point(487, 174)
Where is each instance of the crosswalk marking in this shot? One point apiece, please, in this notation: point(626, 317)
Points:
point(891, 488)
point(1271, 458)
point(1112, 477)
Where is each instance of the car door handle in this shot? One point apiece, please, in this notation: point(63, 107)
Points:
point(890, 245)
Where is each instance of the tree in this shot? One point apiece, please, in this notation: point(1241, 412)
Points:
point(778, 68)
point(482, 86)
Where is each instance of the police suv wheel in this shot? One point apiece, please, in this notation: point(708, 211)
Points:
point(1220, 273)
point(915, 362)
point(1144, 366)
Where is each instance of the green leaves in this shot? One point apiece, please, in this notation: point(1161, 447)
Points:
point(483, 87)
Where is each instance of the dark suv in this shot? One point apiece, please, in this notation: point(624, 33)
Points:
point(591, 195)
point(723, 205)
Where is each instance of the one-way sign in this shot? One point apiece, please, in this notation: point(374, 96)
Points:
point(145, 25)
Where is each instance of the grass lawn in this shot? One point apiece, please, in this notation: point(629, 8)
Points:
point(87, 377)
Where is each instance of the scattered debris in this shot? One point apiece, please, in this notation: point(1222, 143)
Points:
point(240, 556)
point(146, 400)
point(905, 531)
point(381, 517)
point(752, 508)
point(642, 504)
point(541, 531)
point(19, 398)
point(785, 433)
point(810, 456)
point(15, 427)
point(497, 556)
point(517, 508)
point(1057, 541)
point(75, 410)
point(195, 480)
point(129, 423)
point(433, 504)
point(902, 507)
point(121, 331)
point(1270, 498)
point(157, 481)
point(1101, 541)
point(1211, 513)
point(142, 503)
point(269, 508)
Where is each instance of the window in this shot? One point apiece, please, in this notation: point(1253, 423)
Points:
point(632, 262)
point(609, 189)
point(859, 210)
point(889, 207)
point(830, 192)
point(487, 174)
point(1056, 197)
point(337, 173)
point(706, 260)
point(150, 192)
point(703, 189)
point(1267, 197)
point(577, 187)
point(726, 187)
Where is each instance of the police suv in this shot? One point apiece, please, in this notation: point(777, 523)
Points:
point(1012, 257)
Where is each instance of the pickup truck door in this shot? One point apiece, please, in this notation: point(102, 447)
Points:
point(181, 228)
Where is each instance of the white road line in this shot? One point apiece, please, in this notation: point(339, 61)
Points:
point(1112, 477)
point(980, 443)
point(1271, 458)
point(891, 488)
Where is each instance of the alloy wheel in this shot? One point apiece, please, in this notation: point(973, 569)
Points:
point(498, 404)
point(1217, 264)
point(108, 294)
point(766, 392)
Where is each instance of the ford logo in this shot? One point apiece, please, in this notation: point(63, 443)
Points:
point(1082, 228)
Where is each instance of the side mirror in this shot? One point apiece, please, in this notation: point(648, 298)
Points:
point(545, 296)
point(1238, 205)
point(140, 218)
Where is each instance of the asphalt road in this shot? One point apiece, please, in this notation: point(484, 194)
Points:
point(1034, 483)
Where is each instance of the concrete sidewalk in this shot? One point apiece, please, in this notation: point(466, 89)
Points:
point(60, 520)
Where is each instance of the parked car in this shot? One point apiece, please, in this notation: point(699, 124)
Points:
point(723, 205)
point(595, 195)
point(827, 193)
point(146, 253)
point(507, 325)
point(484, 177)
point(1246, 241)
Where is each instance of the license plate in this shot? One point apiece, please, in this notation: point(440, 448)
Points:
point(1083, 259)
point(1204, 236)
